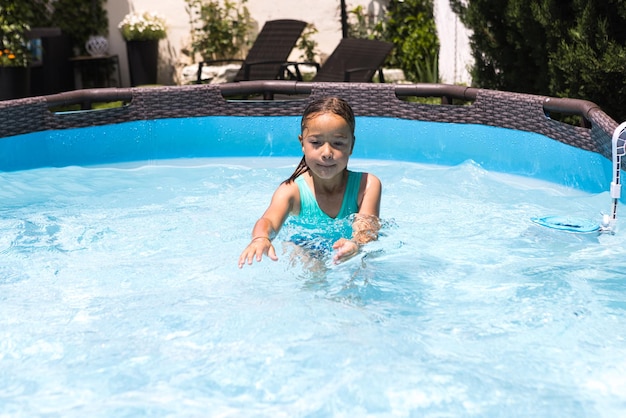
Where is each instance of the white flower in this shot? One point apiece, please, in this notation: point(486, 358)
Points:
point(140, 26)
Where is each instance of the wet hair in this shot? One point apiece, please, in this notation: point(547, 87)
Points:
point(333, 105)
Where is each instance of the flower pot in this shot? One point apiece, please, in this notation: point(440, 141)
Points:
point(143, 57)
point(14, 82)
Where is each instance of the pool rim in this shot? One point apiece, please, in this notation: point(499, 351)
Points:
point(518, 111)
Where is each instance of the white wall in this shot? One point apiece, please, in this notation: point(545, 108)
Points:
point(455, 56)
point(324, 14)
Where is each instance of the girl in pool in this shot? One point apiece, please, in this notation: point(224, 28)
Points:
point(322, 188)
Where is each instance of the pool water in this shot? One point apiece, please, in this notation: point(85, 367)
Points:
point(120, 296)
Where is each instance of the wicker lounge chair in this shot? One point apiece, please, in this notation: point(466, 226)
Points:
point(269, 52)
point(353, 60)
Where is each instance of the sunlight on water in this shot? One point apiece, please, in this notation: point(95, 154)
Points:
point(120, 296)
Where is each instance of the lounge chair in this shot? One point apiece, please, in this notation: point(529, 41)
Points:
point(268, 53)
point(353, 60)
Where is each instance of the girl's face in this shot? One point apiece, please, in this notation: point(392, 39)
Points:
point(327, 144)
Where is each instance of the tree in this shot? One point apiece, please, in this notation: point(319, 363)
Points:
point(590, 62)
point(410, 26)
point(560, 48)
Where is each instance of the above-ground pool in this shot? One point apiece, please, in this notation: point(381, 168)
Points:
point(120, 293)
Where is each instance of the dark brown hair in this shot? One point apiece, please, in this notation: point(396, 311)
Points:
point(333, 105)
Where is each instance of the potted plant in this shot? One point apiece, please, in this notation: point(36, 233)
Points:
point(142, 32)
point(14, 50)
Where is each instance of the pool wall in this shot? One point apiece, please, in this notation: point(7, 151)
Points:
point(503, 131)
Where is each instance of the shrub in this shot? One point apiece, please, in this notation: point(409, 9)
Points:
point(410, 26)
point(568, 48)
point(218, 31)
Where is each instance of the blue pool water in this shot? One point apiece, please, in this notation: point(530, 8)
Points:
point(498, 149)
point(120, 293)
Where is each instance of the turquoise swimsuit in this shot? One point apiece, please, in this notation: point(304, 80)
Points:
point(309, 209)
point(315, 230)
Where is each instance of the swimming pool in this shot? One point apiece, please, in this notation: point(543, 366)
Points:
point(120, 293)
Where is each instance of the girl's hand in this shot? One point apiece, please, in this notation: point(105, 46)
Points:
point(257, 247)
point(344, 249)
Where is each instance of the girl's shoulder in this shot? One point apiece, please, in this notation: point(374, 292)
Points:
point(288, 191)
point(372, 177)
point(287, 188)
point(368, 178)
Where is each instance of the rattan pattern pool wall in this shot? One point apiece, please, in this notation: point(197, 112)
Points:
point(493, 108)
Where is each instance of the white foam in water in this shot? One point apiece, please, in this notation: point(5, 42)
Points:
point(120, 296)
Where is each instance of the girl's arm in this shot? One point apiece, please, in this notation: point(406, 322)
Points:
point(366, 223)
point(266, 228)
